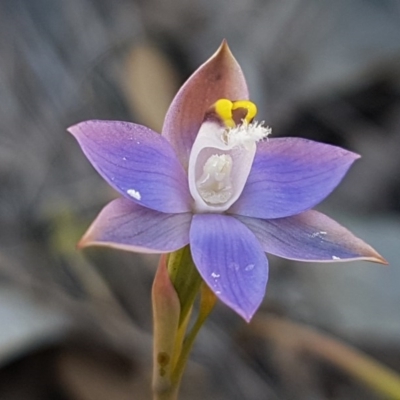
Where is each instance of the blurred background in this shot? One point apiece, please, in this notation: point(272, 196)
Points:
point(76, 325)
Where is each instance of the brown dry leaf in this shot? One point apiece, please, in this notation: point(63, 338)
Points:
point(149, 82)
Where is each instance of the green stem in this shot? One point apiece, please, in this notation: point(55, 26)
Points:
point(180, 338)
point(207, 303)
point(185, 278)
point(166, 312)
point(176, 286)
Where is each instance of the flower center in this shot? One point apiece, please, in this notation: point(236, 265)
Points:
point(222, 154)
point(215, 185)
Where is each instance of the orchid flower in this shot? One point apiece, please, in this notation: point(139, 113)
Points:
point(216, 181)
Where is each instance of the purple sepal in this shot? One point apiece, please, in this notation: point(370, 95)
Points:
point(230, 260)
point(126, 225)
point(137, 162)
point(310, 236)
point(291, 175)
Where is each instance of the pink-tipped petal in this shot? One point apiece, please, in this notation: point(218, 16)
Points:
point(137, 162)
point(230, 260)
point(291, 175)
point(219, 77)
point(310, 236)
point(125, 225)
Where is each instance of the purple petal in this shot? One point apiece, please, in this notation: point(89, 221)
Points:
point(230, 260)
point(310, 236)
point(137, 162)
point(126, 225)
point(291, 175)
point(219, 77)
